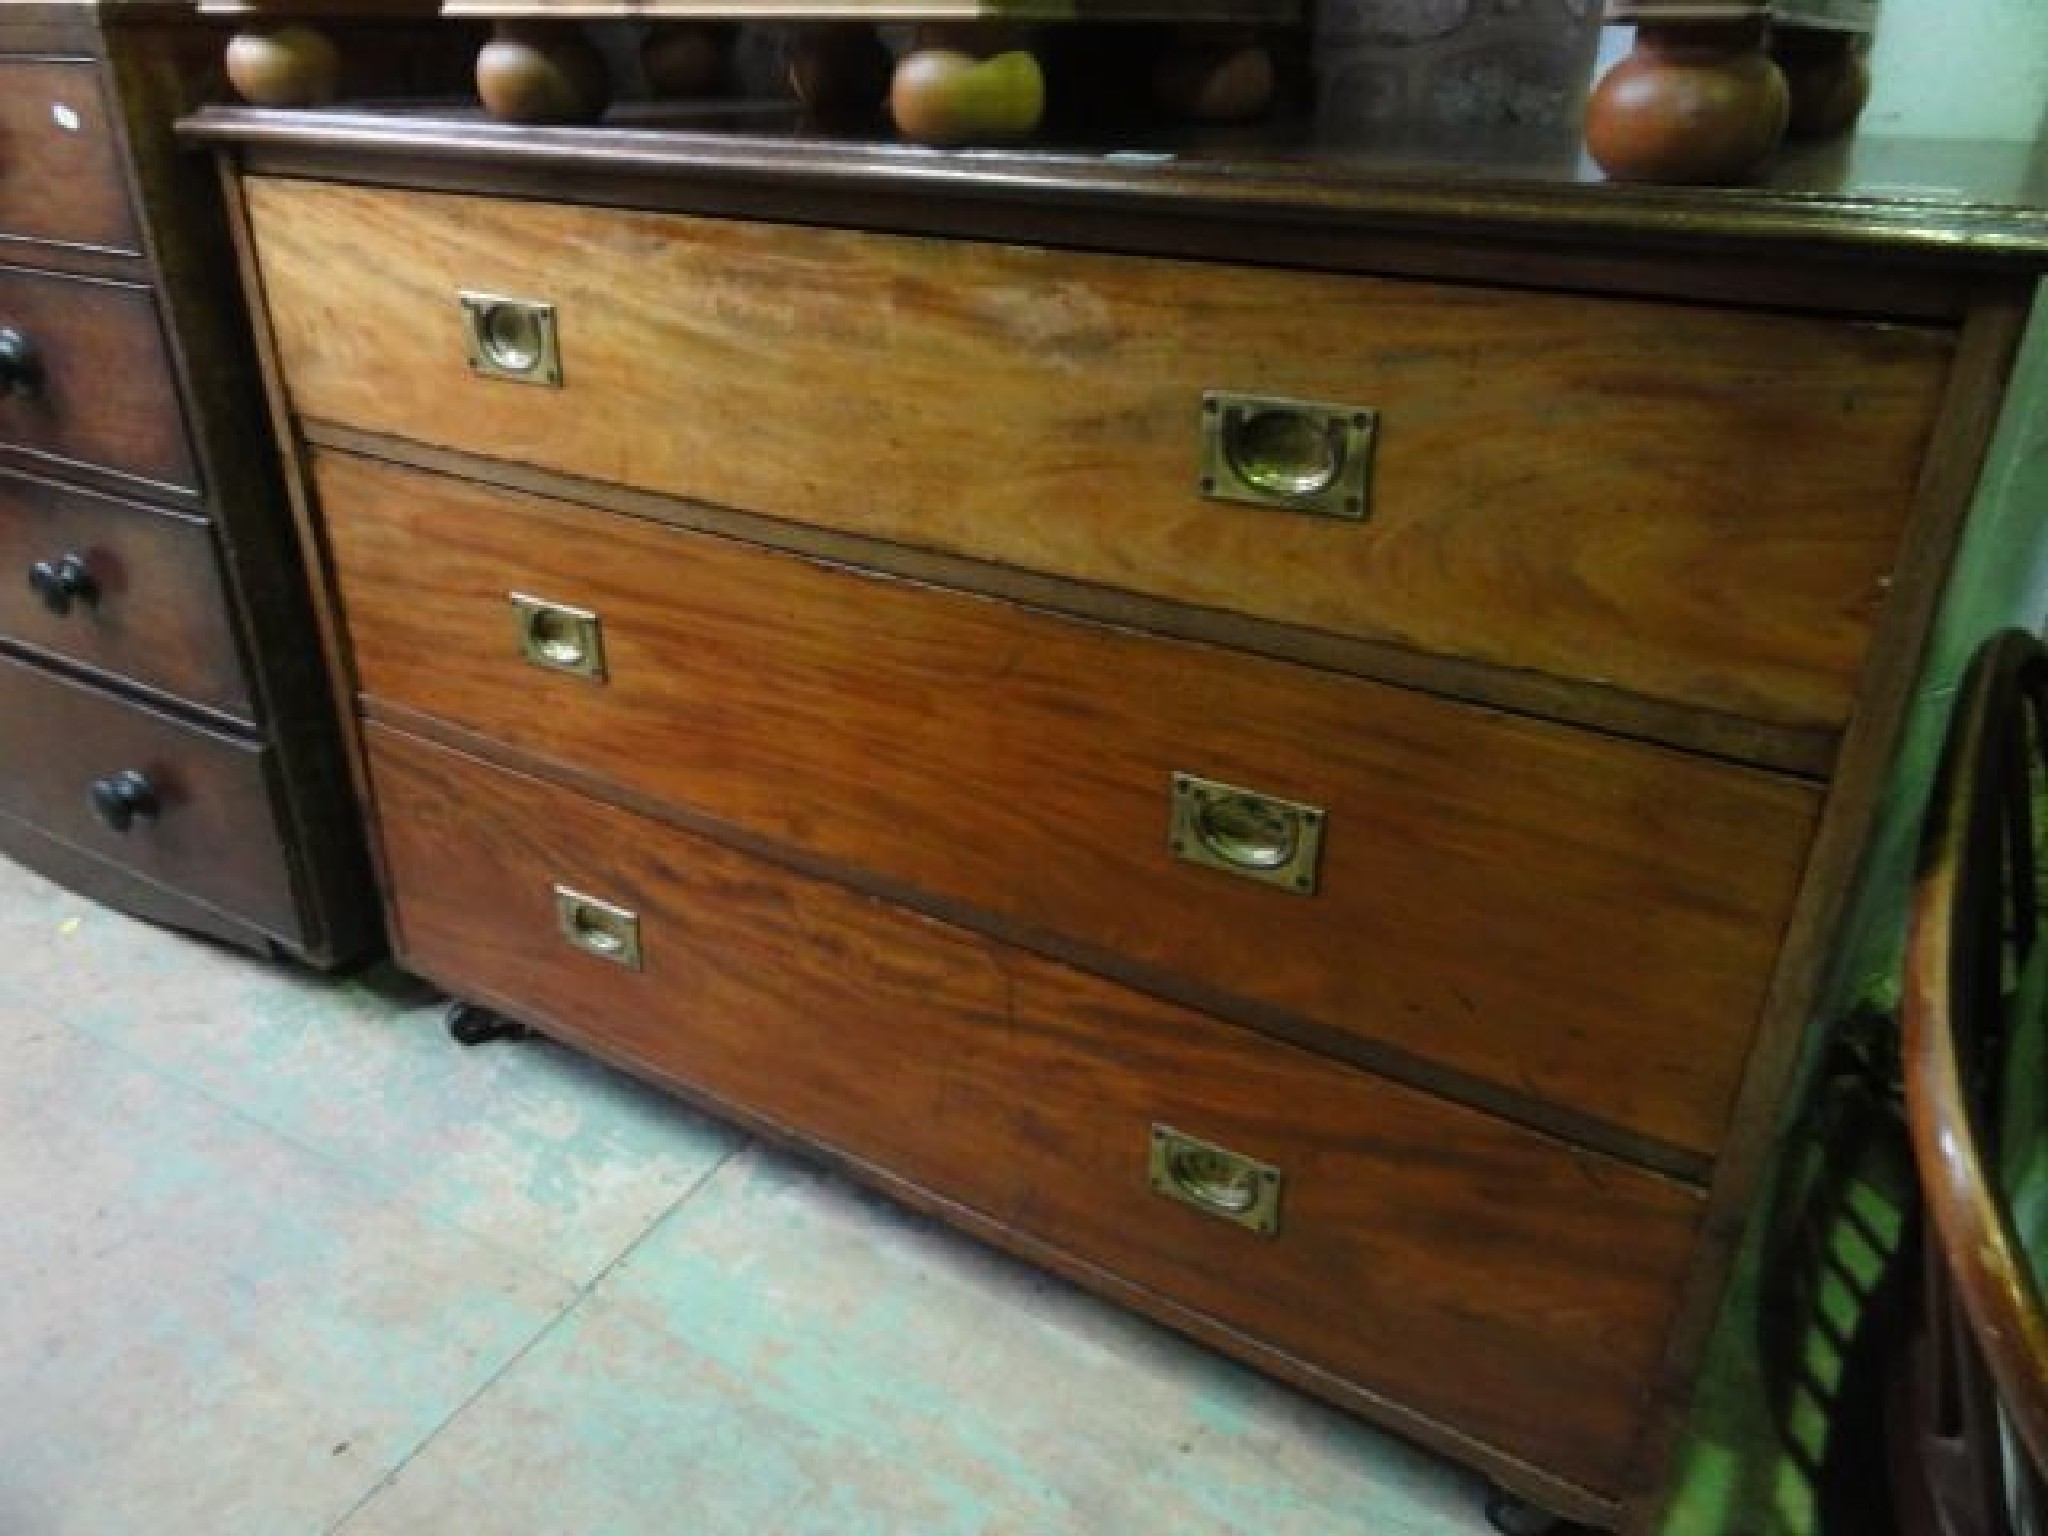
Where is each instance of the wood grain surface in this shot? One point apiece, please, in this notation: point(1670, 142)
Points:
point(1413, 1232)
point(1695, 505)
point(107, 396)
point(158, 617)
point(213, 839)
point(1583, 921)
point(60, 159)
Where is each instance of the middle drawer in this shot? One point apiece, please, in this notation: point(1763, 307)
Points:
point(1582, 921)
point(119, 586)
point(88, 380)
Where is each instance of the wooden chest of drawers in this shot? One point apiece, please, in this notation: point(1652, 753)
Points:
point(812, 637)
point(165, 741)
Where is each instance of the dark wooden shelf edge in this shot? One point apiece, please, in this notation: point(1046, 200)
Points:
point(1337, 191)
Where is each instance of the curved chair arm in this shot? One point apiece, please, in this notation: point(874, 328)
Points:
point(1975, 906)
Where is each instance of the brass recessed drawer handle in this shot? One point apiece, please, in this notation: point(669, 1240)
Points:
point(511, 339)
point(1243, 832)
point(1216, 1180)
point(558, 637)
point(1296, 455)
point(598, 928)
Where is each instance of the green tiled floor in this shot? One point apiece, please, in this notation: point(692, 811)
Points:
point(282, 1260)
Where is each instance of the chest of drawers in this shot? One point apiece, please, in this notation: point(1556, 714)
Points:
point(165, 741)
point(812, 634)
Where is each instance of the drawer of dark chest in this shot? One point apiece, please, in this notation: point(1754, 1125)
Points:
point(60, 158)
point(172, 802)
point(120, 587)
point(86, 379)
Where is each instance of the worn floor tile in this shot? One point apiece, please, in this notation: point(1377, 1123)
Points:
point(243, 1293)
point(209, 1330)
point(784, 1355)
point(525, 1145)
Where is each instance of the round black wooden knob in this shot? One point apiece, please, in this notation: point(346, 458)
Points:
point(19, 372)
point(121, 797)
point(62, 582)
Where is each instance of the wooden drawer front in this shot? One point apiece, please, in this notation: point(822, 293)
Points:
point(155, 612)
point(1486, 1275)
point(1586, 920)
point(106, 394)
point(1694, 505)
point(60, 157)
point(213, 836)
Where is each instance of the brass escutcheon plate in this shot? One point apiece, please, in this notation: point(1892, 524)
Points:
point(598, 928)
point(1245, 833)
point(1215, 1180)
point(1294, 455)
point(511, 339)
point(557, 637)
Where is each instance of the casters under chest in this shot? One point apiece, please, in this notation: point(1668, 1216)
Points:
point(1512, 1515)
point(473, 1025)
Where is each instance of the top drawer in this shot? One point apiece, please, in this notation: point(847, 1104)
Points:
point(1685, 504)
point(60, 159)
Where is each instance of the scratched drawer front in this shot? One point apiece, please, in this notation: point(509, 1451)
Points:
point(102, 391)
point(60, 157)
point(1586, 920)
point(151, 609)
point(1411, 1233)
point(1678, 503)
point(213, 834)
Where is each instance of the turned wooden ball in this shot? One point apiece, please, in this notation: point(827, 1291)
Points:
point(1225, 77)
point(1828, 74)
point(686, 59)
point(839, 71)
point(532, 73)
point(1692, 104)
point(967, 84)
point(284, 67)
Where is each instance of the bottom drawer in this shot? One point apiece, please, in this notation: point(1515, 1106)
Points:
point(196, 816)
point(1500, 1284)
